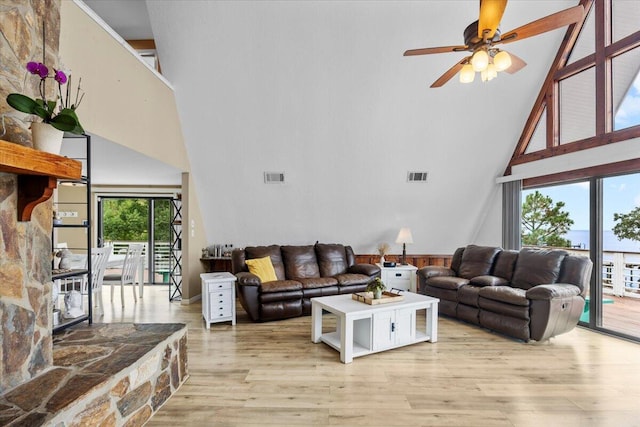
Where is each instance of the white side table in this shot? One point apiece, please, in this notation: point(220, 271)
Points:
point(218, 298)
point(399, 277)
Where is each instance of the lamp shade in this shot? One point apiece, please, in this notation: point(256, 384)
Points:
point(480, 60)
point(404, 236)
point(502, 60)
point(467, 74)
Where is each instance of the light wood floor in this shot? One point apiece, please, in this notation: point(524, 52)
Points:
point(271, 374)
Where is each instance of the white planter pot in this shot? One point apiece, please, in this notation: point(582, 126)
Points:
point(46, 138)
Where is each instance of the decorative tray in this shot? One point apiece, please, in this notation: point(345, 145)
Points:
point(367, 297)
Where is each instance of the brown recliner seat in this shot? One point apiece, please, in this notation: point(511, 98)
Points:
point(531, 294)
point(302, 272)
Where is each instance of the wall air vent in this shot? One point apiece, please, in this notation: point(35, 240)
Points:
point(416, 176)
point(274, 177)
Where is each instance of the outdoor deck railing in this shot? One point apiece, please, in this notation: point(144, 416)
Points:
point(620, 272)
point(161, 249)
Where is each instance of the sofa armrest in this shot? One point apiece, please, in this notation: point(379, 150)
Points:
point(428, 272)
point(248, 286)
point(248, 279)
point(366, 269)
point(548, 292)
point(434, 271)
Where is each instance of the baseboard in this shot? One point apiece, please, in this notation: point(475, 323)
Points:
point(192, 299)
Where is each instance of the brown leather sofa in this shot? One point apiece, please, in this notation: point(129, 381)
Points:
point(531, 294)
point(303, 272)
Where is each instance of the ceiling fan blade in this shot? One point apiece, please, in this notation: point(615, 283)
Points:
point(517, 64)
point(429, 50)
point(491, 12)
point(450, 73)
point(542, 25)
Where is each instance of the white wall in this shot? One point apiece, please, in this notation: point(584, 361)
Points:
point(127, 104)
point(321, 91)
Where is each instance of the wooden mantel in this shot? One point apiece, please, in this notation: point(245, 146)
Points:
point(38, 173)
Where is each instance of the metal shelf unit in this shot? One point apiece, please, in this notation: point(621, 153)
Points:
point(175, 276)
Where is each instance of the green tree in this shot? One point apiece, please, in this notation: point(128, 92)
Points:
point(627, 225)
point(127, 219)
point(543, 222)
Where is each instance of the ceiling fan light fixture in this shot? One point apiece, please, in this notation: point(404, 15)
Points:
point(502, 60)
point(480, 60)
point(467, 75)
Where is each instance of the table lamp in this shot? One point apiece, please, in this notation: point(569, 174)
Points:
point(404, 237)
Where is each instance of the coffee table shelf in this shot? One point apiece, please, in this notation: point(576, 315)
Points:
point(363, 329)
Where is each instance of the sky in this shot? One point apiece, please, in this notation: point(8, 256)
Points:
point(628, 113)
point(621, 195)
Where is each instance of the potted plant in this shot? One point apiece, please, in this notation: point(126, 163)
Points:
point(376, 286)
point(383, 249)
point(56, 119)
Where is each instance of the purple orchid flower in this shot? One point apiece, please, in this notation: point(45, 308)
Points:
point(38, 68)
point(60, 76)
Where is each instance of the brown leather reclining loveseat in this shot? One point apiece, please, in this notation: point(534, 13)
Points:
point(302, 272)
point(531, 294)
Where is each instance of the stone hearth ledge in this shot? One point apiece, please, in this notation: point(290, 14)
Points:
point(115, 374)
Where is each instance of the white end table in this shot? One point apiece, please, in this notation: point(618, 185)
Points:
point(401, 277)
point(218, 298)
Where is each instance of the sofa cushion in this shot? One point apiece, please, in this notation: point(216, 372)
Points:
point(505, 294)
point(349, 279)
point(299, 261)
point(477, 261)
point(456, 259)
point(447, 282)
point(505, 264)
point(281, 286)
point(469, 295)
point(332, 259)
point(273, 252)
point(537, 267)
point(576, 270)
point(262, 268)
point(317, 282)
point(488, 281)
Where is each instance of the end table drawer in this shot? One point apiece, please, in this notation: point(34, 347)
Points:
point(221, 311)
point(220, 304)
point(221, 285)
point(399, 275)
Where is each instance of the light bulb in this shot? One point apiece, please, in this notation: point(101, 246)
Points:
point(480, 60)
point(467, 74)
point(492, 73)
point(484, 76)
point(502, 60)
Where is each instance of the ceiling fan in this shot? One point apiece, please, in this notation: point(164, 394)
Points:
point(482, 36)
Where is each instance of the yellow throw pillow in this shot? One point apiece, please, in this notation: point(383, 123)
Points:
point(263, 268)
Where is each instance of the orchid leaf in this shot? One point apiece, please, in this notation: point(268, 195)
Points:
point(41, 112)
point(22, 103)
point(64, 122)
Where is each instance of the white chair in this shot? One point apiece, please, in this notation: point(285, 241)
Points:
point(99, 258)
point(128, 274)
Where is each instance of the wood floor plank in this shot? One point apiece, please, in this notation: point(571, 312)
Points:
point(271, 374)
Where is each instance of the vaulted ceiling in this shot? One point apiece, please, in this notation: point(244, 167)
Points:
point(320, 90)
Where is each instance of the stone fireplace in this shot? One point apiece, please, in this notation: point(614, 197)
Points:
point(99, 374)
point(25, 247)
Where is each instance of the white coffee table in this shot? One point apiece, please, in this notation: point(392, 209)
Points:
point(363, 329)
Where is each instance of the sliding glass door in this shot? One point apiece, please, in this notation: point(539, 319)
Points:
point(145, 220)
point(620, 257)
point(599, 218)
